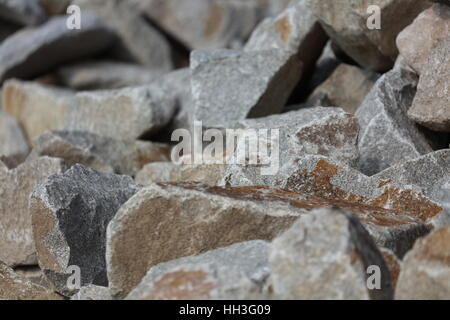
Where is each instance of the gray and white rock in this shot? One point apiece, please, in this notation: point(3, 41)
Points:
point(189, 219)
point(92, 292)
point(138, 40)
point(12, 140)
point(431, 103)
point(425, 270)
point(229, 85)
point(23, 12)
point(346, 22)
point(16, 237)
point(387, 135)
point(16, 287)
point(97, 75)
point(236, 272)
point(21, 55)
point(326, 255)
point(303, 132)
point(98, 152)
point(417, 41)
point(70, 213)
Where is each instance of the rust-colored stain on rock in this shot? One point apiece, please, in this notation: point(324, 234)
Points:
point(283, 28)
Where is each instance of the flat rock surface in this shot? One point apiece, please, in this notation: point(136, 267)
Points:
point(70, 213)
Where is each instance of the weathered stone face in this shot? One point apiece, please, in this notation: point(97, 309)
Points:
point(230, 85)
point(70, 213)
point(238, 272)
point(12, 140)
point(425, 270)
point(16, 237)
point(21, 54)
point(325, 255)
point(431, 103)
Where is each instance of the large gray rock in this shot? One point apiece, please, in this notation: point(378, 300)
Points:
point(33, 51)
point(206, 24)
point(431, 103)
point(164, 222)
point(387, 135)
point(16, 237)
point(303, 132)
point(235, 272)
point(139, 41)
point(229, 85)
point(425, 270)
point(24, 12)
point(417, 41)
point(326, 255)
point(98, 152)
point(345, 21)
point(70, 213)
point(12, 140)
point(97, 75)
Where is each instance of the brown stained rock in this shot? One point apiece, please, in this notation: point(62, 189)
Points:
point(392, 263)
point(16, 237)
point(98, 152)
point(430, 107)
point(169, 221)
point(347, 87)
point(417, 41)
point(16, 287)
point(425, 270)
point(326, 255)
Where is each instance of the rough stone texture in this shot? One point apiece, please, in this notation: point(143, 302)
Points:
point(229, 85)
point(158, 172)
point(393, 264)
point(101, 153)
point(164, 222)
point(34, 274)
point(431, 103)
point(425, 270)
point(303, 132)
point(126, 114)
point(16, 287)
point(12, 140)
point(235, 272)
point(37, 108)
point(325, 255)
point(417, 41)
point(345, 21)
point(295, 30)
point(70, 213)
point(23, 12)
point(347, 87)
point(16, 185)
point(387, 135)
point(96, 75)
point(206, 24)
point(92, 292)
point(31, 52)
point(55, 7)
point(139, 41)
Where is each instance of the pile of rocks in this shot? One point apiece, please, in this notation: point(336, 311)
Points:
point(93, 204)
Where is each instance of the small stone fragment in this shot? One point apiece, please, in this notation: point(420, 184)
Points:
point(431, 103)
point(235, 272)
point(101, 153)
point(417, 41)
point(12, 140)
point(16, 237)
point(106, 75)
point(139, 41)
point(23, 12)
point(387, 135)
point(347, 87)
point(229, 85)
point(16, 287)
point(325, 255)
point(70, 213)
point(92, 292)
point(21, 55)
point(189, 219)
point(425, 270)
